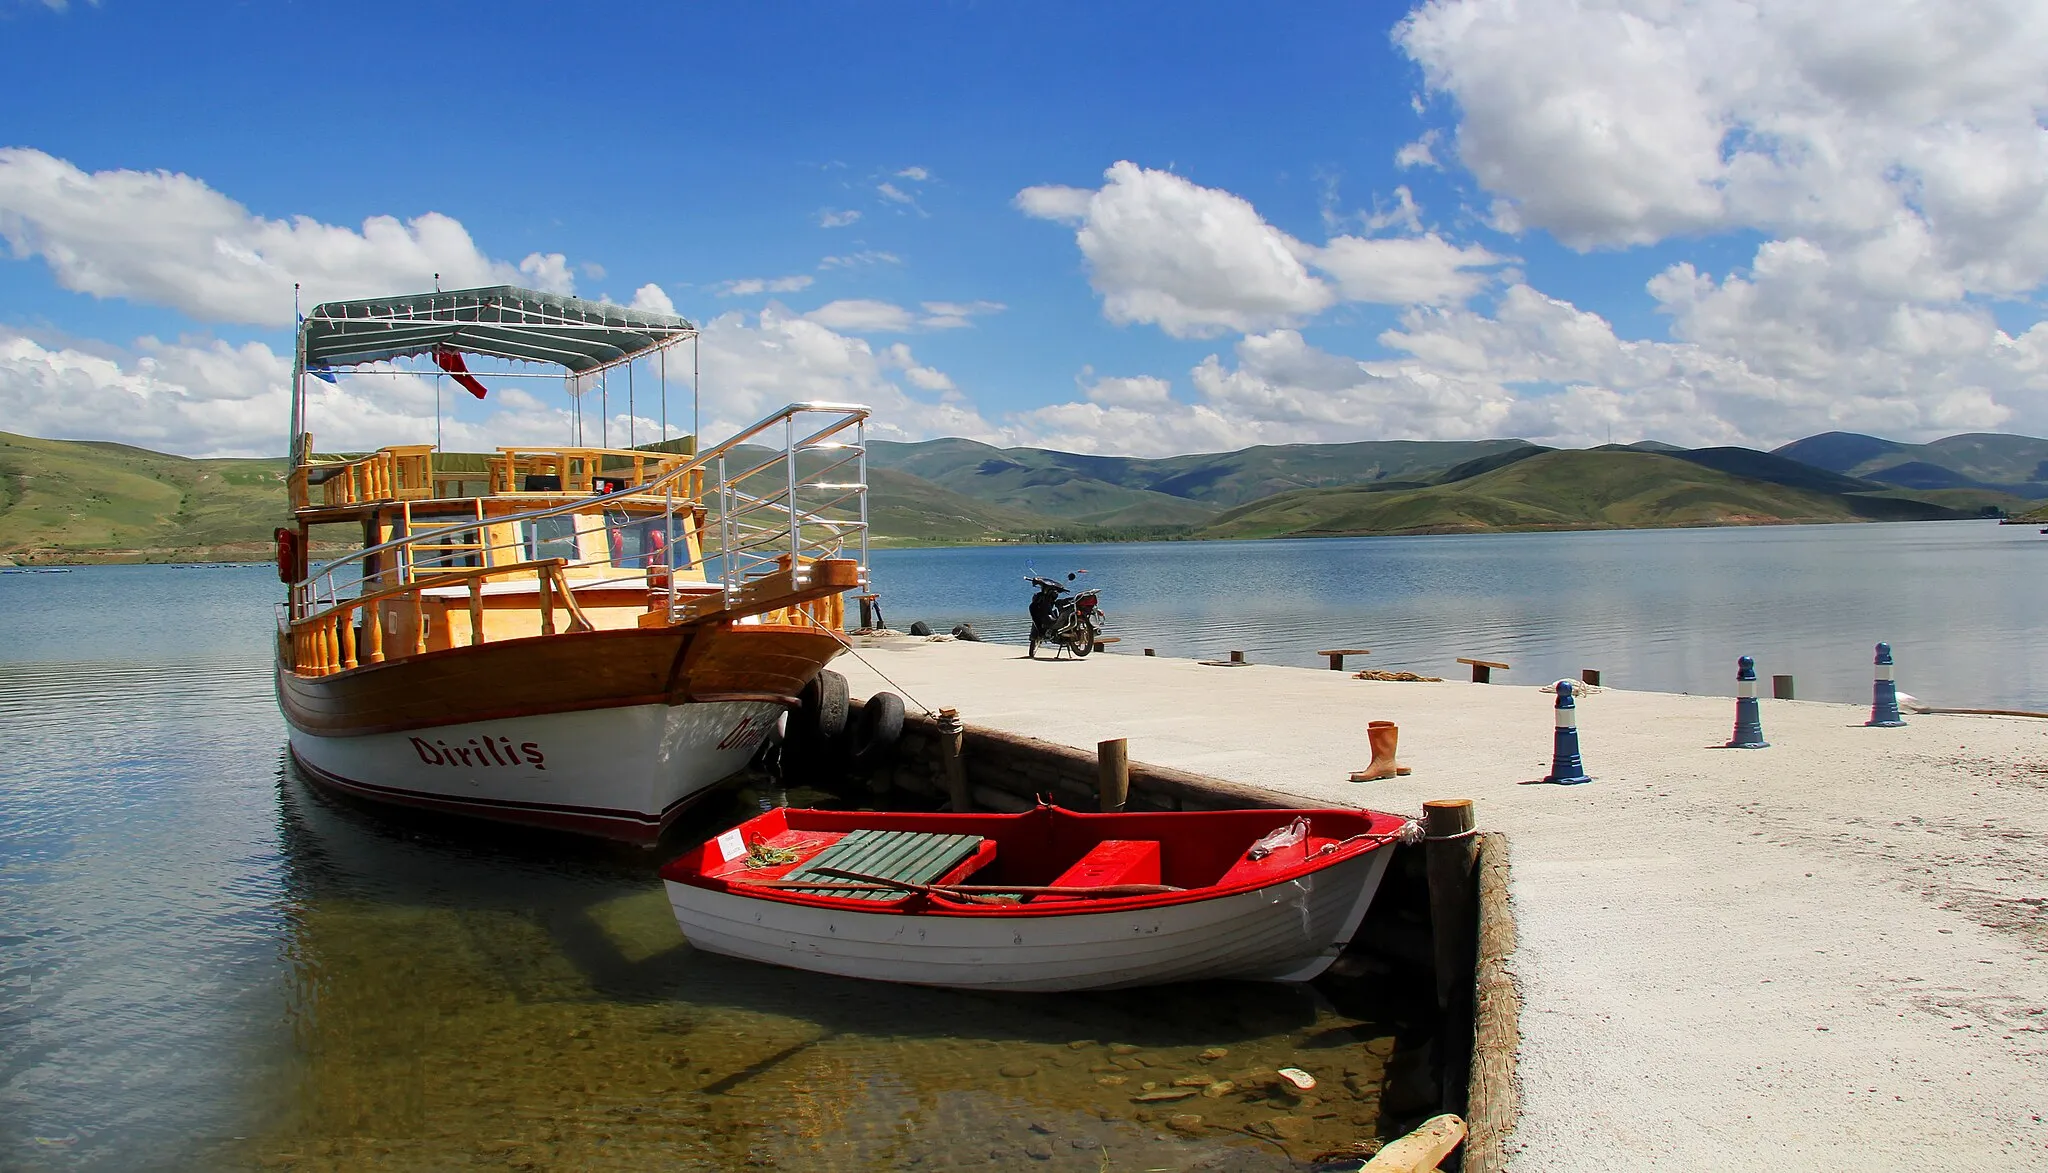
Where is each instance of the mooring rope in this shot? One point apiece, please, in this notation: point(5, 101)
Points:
point(846, 642)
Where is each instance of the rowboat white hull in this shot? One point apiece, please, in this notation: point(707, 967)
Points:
point(620, 772)
point(1289, 931)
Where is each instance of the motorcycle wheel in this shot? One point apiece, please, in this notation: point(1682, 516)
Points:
point(1081, 647)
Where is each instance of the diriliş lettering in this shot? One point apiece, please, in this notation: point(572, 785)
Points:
point(480, 751)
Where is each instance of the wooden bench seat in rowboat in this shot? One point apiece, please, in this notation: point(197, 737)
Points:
point(908, 857)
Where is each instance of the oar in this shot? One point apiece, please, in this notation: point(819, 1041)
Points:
point(886, 882)
point(1104, 892)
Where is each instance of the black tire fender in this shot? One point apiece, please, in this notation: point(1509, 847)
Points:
point(822, 705)
point(875, 734)
point(920, 628)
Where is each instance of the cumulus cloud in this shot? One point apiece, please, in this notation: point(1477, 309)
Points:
point(837, 217)
point(858, 259)
point(749, 286)
point(171, 240)
point(914, 174)
point(1630, 122)
point(653, 299)
point(868, 316)
point(1199, 261)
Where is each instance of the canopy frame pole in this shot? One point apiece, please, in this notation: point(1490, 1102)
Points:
point(437, 413)
point(604, 409)
point(696, 396)
point(661, 356)
point(631, 424)
point(294, 449)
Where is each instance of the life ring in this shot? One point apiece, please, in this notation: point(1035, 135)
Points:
point(287, 555)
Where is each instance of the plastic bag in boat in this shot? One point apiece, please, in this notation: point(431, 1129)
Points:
point(1274, 840)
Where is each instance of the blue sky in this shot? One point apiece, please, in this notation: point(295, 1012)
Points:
point(1327, 222)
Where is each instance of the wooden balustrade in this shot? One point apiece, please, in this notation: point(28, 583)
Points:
point(327, 642)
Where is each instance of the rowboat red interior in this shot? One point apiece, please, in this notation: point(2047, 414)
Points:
point(1204, 854)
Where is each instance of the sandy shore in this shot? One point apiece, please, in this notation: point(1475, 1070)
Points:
point(1829, 954)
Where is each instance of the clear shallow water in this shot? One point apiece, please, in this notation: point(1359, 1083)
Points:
point(1663, 610)
point(206, 964)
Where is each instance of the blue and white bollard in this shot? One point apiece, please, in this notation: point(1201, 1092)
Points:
point(1884, 693)
point(1565, 767)
point(1749, 725)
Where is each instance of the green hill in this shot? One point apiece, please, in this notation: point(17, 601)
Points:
point(1984, 461)
point(1124, 491)
point(1561, 490)
point(92, 501)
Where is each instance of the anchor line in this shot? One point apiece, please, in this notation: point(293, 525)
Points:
point(855, 653)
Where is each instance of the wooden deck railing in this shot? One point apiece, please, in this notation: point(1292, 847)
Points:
point(327, 642)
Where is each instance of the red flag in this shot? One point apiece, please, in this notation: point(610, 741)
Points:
point(451, 361)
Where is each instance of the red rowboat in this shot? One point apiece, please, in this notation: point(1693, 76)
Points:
point(1050, 899)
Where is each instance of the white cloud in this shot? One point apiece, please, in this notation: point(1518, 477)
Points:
point(868, 316)
point(1420, 153)
point(1195, 261)
point(837, 218)
point(1405, 270)
point(914, 174)
point(859, 259)
point(1632, 121)
point(893, 194)
point(171, 240)
point(1199, 261)
point(748, 286)
point(863, 315)
point(955, 315)
point(752, 368)
point(1135, 391)
point(653, 299)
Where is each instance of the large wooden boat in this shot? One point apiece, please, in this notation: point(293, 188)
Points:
point(575, 636)
point(1045, 900)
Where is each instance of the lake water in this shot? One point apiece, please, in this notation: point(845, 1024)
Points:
point(1961, 603)
point(204, 963)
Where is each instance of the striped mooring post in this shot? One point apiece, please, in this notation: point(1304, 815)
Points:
point(1565, 767)
point(1884, 693)
point(1749, 726)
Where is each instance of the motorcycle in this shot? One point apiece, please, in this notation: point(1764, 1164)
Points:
point(1063, 618)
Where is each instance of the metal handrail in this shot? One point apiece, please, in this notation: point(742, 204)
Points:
point(741, 542)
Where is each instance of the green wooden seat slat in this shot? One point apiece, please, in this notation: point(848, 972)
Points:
point(912, 857)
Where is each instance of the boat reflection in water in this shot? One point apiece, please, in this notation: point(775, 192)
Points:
point(456, 989)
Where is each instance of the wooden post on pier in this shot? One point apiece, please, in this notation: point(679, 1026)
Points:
point(1452, 847)
point(1237, 657)
point(952, 743)
point(1113, 772)
point(1781, 688)
point(1590, 676)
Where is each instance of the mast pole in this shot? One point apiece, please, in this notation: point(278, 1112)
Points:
point(631, 423)
point(696, 409)
point(293, 452)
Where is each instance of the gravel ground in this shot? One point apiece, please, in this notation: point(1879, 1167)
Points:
point(1828, 954)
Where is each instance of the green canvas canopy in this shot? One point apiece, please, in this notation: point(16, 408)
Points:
point(500, 321)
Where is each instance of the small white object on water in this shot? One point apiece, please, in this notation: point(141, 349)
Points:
point(1302, 1080)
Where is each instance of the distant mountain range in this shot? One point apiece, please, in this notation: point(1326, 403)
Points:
point(70, 500)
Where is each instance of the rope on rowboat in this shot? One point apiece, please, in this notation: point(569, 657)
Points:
point(1408, 834)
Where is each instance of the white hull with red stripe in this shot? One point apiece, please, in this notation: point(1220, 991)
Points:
point(620, 772)
point(1288, 931)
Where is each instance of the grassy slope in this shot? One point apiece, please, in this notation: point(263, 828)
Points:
point(98, 499)
point(1980, 460)
point(1552, 490)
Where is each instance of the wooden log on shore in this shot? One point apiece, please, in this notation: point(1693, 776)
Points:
point(1420, 1150)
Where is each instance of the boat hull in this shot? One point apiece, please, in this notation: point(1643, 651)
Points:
point(609, 733)
point(1287, 931)
point(622, 773)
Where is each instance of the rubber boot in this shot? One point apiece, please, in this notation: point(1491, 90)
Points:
point(1384, 736)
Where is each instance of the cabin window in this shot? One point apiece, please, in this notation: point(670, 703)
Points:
point(549, 537)
point(463, 547)
point(636, 545)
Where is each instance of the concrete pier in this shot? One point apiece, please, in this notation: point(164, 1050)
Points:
point(1831, 954)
